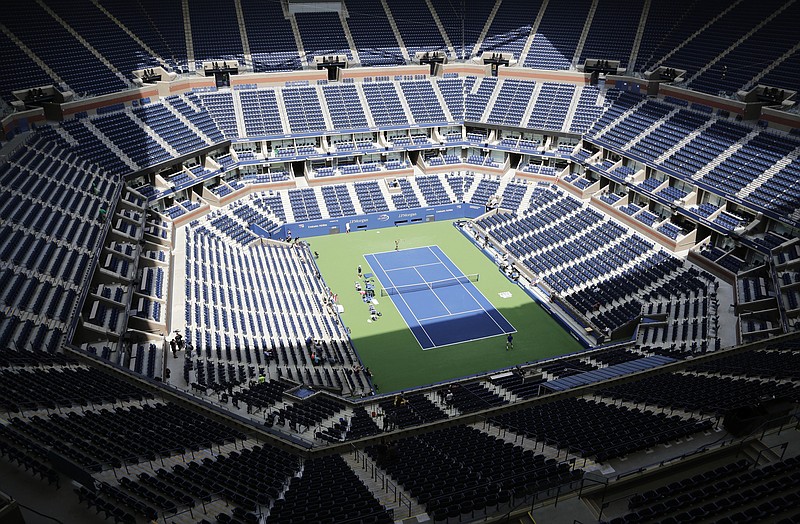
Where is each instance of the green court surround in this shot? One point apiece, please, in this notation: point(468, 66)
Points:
point(388, 347)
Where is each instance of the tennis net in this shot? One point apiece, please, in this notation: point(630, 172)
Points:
point(411, 288)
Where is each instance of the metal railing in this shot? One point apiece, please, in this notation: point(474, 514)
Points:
point(378, 475)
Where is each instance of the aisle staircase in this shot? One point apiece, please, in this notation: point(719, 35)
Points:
point(486, 26)
point(655, 125)
point(683, 141)
point(637, 41)
point(28, 51)
point(113, 147)
point(131, 34)
point(722, 157)
point(86, 44)
point(768, 174)
point(694, 35)
point(393, 24)
point(582, 40)
point(736, 44)
point(523, 55)
point(442, 31)
point(248, 56)
point(350, 42)
point(187, 31)
point(383, 487)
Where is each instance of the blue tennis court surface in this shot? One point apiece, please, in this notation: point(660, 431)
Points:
point(438, 316)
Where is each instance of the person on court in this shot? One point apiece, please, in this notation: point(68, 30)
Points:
point(359, 271)
point(396, 245)
point(509, 342)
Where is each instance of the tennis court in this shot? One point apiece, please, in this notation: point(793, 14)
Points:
point(438, 302)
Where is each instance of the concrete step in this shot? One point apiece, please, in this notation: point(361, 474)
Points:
point(722, 157)
point(752, 83)
point(616, 121)
point(188, 123)
point(540, 448)
point(282, 110)
point(658, 123)
point(576, 95)
point(683, 141)
point(298, 40)
point(492, 99)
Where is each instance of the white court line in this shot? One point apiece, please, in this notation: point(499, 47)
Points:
point(406, 303)
point(415, 266)
point(460, 342)
point(453, 315)
point(432, 291)
point(393, 251)
point(470, 294)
